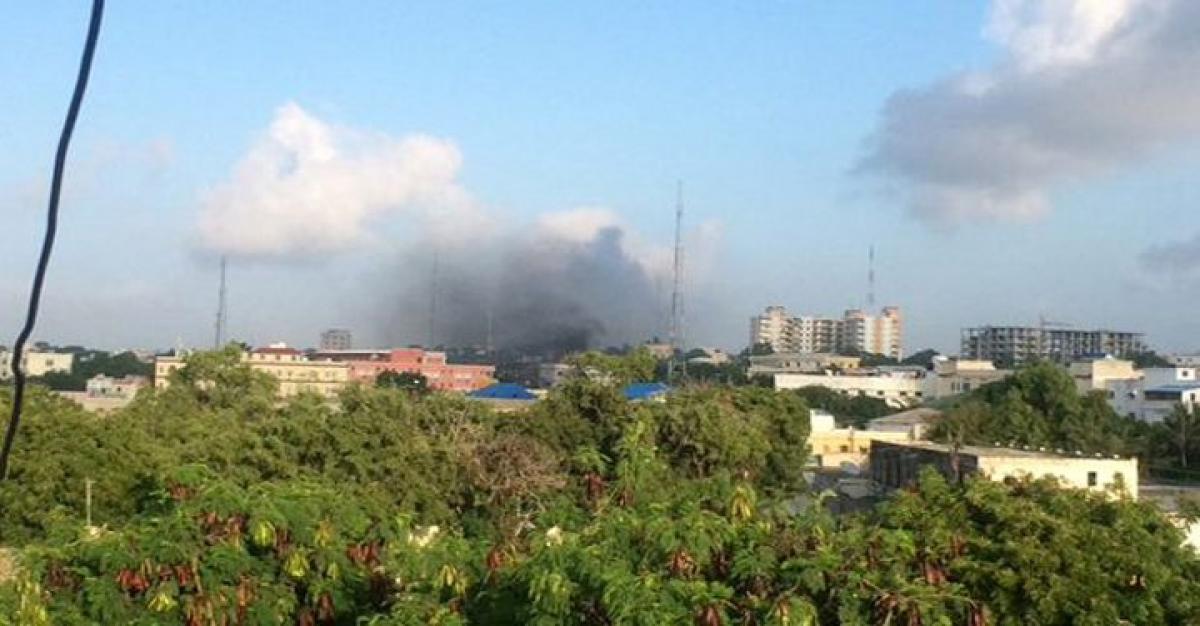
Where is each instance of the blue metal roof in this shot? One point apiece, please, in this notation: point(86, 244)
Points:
point(504, 391)
point(644, 391)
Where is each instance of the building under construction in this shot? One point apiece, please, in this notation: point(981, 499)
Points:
point(1018, 345)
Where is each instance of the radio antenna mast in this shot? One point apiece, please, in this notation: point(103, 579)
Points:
point(871, 278)
point(433, 301)
point(676, 330)
point(222, 309)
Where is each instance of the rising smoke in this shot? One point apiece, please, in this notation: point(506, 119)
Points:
point(539, 292)
point(308, 190)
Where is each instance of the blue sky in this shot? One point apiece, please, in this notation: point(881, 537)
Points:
point(762, 109)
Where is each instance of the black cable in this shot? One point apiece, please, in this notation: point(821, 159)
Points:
point(39, 276)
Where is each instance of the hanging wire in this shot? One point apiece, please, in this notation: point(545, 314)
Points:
point(39, 276)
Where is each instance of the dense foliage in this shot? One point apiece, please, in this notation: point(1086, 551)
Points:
point(1039, 406)
point(412, 382)
point(850, 410)
point(216, 504)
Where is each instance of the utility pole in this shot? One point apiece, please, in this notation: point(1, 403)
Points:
point(222, 312)
point(676, 331)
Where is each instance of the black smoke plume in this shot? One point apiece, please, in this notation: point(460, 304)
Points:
point(533, 294)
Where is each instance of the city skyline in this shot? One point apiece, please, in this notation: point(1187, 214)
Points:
point(326, 163)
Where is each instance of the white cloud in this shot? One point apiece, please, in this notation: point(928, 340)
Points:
point(1085, 87)
point(307, 188)
point(1041, 33)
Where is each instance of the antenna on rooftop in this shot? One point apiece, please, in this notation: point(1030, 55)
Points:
point(490, 345)
point(222, 309)
point(676, 331)
point(433, 301)
point(871, 278)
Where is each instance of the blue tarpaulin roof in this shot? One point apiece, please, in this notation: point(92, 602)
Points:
point(504, 391)
point(643, 391)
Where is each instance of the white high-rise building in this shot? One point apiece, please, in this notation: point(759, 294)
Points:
point(856, 331)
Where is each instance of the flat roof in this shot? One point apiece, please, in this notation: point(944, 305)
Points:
point(918, 415)
point(994, 452)
point(1176, 387)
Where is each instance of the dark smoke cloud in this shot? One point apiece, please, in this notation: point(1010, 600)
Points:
point(1179, 257)
point(538, 293)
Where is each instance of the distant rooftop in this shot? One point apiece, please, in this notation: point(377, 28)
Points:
point(920, 415)
point(995, 452)
point(1175, 388)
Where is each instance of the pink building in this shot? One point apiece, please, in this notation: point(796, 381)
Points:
point(366, 365)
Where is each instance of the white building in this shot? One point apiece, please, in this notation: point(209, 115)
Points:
point(1153, 395)
point(101, 386)
point(897, 465)
point(800, 363)
point(1185, 360)
point(105, 393)
point(712, 356)
point(854, 331)
point(36, 364)
point(899, 388)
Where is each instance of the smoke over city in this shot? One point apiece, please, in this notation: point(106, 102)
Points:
point(456, 274)
point(575, 280)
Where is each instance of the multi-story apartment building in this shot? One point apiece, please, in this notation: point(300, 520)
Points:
point(295, 372)
point(773, 328)
point(36, 364)
point(366, 365)
point(336, 339)
point(1018, 345)
point(855, 331)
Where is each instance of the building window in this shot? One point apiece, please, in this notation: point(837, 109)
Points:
point(1091, 479)
point(845, 448)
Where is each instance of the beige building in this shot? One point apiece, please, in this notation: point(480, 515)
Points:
point(877, 334)
point(1098, 374)
point(897, 465)
point(36, 364)
point(847, 449)
point(295, 373)
point(900, 388)
point(951, 377)
point(855, 331)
